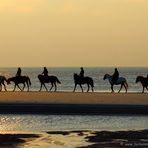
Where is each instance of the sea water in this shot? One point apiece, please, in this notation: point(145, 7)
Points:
point(42, 123)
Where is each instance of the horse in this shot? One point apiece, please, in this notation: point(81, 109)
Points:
point(2, 82)
point(121, 80)
point(18, 80)
point(144, 82)
point(48, 79)
point(83, 80)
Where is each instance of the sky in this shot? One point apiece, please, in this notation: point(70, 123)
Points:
point(69, 33)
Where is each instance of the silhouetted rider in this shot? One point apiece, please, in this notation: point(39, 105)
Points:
point(81, 72)
point(19, 71)
point(45, 71)
point(115, 76)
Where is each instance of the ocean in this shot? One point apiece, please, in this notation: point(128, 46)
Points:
point(41, 123)
point(65, 75)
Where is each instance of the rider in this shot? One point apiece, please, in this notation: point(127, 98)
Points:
point(45, 71)
point(19, 71)
point(81, 72)
point(115, 76)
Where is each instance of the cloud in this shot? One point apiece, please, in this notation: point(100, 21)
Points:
point(21, 6)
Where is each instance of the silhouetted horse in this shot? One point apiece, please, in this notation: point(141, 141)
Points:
point(144, 82)
point(18, 80)
point(48, 79)
point(2, 82)
point(120, 80)
point(83, 80)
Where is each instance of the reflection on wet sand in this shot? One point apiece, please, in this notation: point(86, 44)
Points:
point(76, 139)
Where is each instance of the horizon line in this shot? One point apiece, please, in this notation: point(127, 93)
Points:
point(75, 66)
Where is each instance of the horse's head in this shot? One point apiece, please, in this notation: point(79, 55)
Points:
point(106, 76)
point(10, 79)
point(139, 79)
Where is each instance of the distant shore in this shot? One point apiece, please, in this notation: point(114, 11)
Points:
point(73, 103)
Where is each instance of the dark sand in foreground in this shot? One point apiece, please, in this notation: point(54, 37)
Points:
point(77, 139)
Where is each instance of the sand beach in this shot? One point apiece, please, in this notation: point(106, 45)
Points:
point(74, 98)
point(69, 102)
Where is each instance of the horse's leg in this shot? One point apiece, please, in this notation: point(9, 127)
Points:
point(81, 87)
point(55, 87)
point(51, 86)
point(23, 86)
point(4, 86)
point(92, 88)
point(19, 87)
point(88, 87)
point(120, 88)
point(0, 87)
point(125, 87)
point(143, 90)
point(27, 86)
point(45, 86)
point(75, 87)
point(41, 87)
point(112, 89)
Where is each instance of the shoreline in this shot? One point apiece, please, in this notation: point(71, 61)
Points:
point(73, 103)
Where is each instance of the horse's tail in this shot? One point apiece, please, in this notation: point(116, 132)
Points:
point(58, 80)
point(29, 81)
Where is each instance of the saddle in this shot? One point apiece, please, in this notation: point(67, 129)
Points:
point(115, 81)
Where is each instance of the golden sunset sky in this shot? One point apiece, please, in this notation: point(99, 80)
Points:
point(73, 33)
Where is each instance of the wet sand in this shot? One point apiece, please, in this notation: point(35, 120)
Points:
point(106, 139)
point(77, 139)
point(73, 103)
point(16, 140)
point(74, 98)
